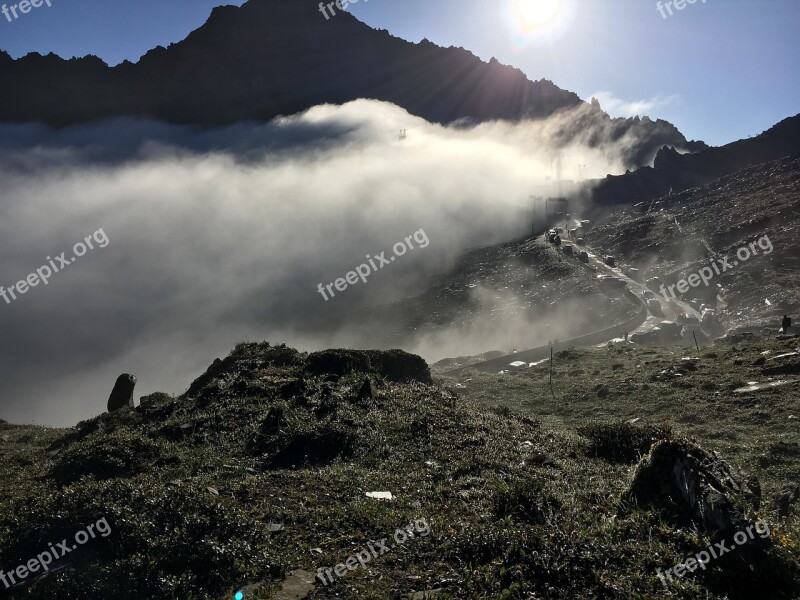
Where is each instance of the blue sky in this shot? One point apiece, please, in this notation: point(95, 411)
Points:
point(720, 70)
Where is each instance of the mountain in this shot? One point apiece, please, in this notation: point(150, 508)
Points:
point(271, 57)
point(679, 172)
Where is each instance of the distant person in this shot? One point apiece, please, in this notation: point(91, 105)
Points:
point(785, 324)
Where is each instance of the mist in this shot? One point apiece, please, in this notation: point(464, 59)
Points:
point(221, 236)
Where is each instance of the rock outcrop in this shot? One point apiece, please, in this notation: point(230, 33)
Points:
point(122, 394)
point(708, 491)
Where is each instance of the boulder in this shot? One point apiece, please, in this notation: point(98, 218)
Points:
point(705, 489)
point(122, 394)
point(784, 500)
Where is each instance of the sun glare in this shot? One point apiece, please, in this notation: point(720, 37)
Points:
point(536, 14)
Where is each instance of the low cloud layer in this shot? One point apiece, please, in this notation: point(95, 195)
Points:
point(222, 236)
point(617, 107)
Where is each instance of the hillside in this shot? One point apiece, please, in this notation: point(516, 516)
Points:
point(270, 57)
point(514, 295)
point(680, 233)
point(259, 476)
point(677, 172)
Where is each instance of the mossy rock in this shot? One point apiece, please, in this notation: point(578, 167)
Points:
point(394, 365)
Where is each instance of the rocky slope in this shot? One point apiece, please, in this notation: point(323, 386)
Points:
point(679, 234)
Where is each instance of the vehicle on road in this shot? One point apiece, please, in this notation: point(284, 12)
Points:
point(579, 241)
point(647, 295)
point(654, 283)
point(611, 281)
point(654, 306)
point(610, 261)
point(567, 249)
point(583, 256)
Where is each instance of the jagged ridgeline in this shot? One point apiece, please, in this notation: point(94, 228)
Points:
point(259, 475)
point(274, 57)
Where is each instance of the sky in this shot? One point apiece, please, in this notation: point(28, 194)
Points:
point(721, 70)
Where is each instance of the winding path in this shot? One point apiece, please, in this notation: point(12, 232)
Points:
point(643, 321)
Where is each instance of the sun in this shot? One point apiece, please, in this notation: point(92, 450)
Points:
point(536, 14)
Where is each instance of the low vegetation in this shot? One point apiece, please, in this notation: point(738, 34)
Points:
point(264, 466)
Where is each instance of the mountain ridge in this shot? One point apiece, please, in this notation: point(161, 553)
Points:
point(269, 58)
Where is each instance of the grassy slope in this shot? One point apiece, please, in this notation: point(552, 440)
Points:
point(516, 508)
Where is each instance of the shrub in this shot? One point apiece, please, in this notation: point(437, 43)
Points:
point(620, 442)
point(104, 455)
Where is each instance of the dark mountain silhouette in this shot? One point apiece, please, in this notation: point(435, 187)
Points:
point(679, 172)
point(278, 57)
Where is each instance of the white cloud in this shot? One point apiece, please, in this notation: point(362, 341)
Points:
point(218, 236)
point(617, 107)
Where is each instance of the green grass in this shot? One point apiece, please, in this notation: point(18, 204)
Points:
point(520, 504)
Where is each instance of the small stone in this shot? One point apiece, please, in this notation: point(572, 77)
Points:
point(426, 595)
point(297, 585)
point(380, 495)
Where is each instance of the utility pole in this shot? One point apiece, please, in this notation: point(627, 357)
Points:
point(532, 198)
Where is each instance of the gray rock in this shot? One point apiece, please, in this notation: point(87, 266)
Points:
point(709, 490)
point(122, 394)
point(298, 585)
point(784, 500)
